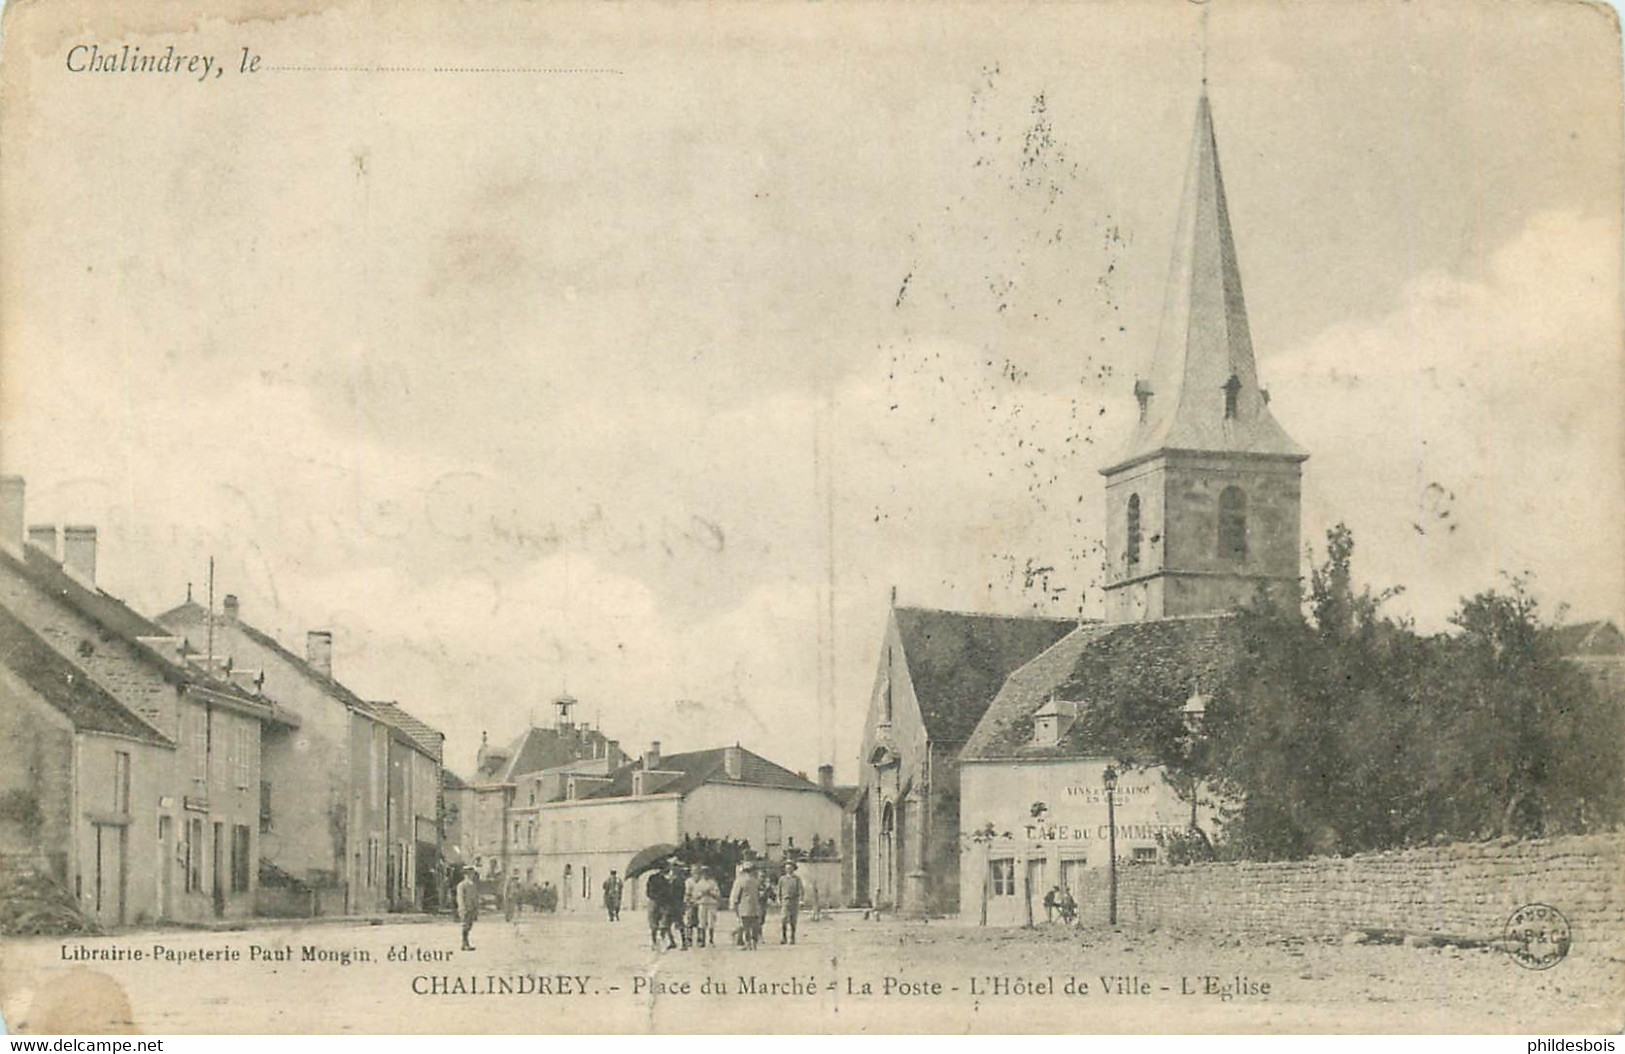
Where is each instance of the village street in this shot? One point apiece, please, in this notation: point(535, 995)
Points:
point(583, 974)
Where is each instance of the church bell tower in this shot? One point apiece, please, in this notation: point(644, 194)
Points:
point(1202, 505)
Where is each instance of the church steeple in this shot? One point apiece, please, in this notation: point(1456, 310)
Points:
point(1203, 391)
point(1203, 502)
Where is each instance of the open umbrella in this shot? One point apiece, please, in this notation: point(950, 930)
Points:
point(649, 858)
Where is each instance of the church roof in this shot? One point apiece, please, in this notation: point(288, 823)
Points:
point(1204, 339)
point(957, 662)
point(1173, 655)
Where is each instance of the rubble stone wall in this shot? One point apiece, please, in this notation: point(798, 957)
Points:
point(1465, 890)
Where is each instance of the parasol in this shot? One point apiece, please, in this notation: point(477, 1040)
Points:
point(649, 858)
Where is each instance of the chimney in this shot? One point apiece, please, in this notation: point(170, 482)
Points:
point(616, 758)
point(826, 777)
point(11, 512)
point(733, 762)
point(79, 552)
point(232, 607)
point(651, 760)
point(319, 651)
point(43, 536)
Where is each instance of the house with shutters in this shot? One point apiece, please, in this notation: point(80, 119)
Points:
point(349, 806)
point(162, 823)
point(496, 834)
point(724, 793)
point(1032, 775)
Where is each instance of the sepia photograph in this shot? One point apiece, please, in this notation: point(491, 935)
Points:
point(536, 516)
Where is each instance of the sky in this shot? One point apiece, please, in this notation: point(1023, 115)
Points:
point(652, 384)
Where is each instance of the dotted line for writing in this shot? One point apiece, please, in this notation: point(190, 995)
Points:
point(441, 69)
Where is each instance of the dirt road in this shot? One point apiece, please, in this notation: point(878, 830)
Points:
point(543, 974)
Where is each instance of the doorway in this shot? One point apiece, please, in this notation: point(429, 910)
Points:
point(217, 871)
point(110, 874)
point(886, 869)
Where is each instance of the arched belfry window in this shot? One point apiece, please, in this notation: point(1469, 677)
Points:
point(1133, 530)
point(1232, 524)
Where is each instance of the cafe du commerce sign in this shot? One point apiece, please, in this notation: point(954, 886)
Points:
point(1134, 798)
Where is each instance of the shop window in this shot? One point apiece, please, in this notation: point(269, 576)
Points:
point(194, 855)
point(239, 858)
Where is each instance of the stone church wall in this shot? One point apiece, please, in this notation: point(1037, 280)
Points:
point(1464, 890)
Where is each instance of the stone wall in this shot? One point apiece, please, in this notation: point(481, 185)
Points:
point(1465, 890)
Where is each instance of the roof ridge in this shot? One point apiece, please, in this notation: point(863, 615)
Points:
point(49, 577)
point(991, 614)
point(49, 660)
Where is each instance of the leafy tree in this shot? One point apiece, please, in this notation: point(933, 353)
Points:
point(1344, 730)
point(721, 856)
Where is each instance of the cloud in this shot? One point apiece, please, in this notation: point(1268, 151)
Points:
point(1475, 428)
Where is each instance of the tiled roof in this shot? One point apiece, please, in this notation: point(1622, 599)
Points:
point(845, 795)
point(428, 740)
point(1095, 665)
point(191, 611)
point(120, 621)
point(66, 687)
point(108, 611)
point(958, 662)
point(539, 750)
point(700, 767)
point(1600, 637)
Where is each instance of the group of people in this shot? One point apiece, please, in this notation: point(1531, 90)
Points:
point(1059, 901)
point(516, 895)
point(683, 905)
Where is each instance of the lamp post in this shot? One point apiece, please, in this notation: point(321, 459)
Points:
point(1108, 779)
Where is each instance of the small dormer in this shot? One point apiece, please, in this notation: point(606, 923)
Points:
point(1052, 721)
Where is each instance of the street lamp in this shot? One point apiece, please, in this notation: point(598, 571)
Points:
point(1108, 779)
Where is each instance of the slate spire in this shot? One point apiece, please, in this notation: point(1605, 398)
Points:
point(1203, 392)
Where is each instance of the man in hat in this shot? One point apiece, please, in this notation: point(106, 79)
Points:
point(704, 895)
point(468, 903)
point(677, 901)
point(750, 905)
point(790, 890)
point(612, 896)
point(655, 897)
